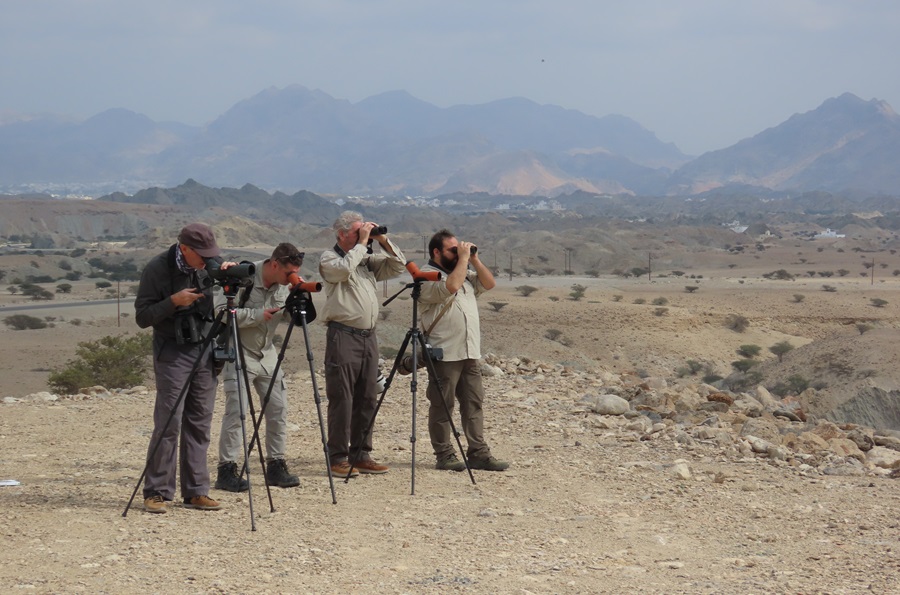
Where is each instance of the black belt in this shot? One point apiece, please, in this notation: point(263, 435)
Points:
point(362, 332)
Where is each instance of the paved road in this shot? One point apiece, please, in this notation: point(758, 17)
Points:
point(91, 310)
point(56, 305)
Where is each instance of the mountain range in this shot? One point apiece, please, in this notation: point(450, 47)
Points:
point(394, 144)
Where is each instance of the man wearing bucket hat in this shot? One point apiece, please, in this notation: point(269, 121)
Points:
point(175, 298)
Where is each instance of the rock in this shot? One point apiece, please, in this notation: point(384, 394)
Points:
point(681, 470)
point(883, 457)
point(717, 406)
point(491, 371)
point(887, 442)
point(748, 406)
point(41, 396)
point(609, 405)
point(720, 397)
point(765, 397)
point(655, 383)
point(641, 425)
point(807, 442)
point(828, 430)
point(844, 447)
point(761, 428)
point(758, 445)
point(786, 415)
point(863, 440)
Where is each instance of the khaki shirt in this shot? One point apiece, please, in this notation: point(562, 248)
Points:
point(350, 278)
point(255, 332)
point(458, 332)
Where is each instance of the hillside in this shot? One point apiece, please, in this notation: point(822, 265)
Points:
point(295, 138)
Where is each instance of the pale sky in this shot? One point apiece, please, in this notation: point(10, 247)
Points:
point(700, 73)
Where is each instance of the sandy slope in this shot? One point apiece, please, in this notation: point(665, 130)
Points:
point(583, 510)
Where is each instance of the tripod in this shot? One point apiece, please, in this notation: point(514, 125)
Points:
point(230, 292)
point(298, 304)
point(415, 337)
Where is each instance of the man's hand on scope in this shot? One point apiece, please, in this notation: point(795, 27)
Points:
point(186, 297)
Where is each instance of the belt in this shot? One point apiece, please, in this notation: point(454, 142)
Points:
point(362, 332)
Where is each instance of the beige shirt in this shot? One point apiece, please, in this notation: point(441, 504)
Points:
point(257, 334)
point(458, 332)
point(350, 278)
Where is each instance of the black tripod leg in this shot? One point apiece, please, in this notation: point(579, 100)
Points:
point(256, 423)
point(318, 400)
point(240, 375)
point(217, 324)
point(433, 377)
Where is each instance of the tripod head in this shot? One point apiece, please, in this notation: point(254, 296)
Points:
point(299, 302)
point(419, 276)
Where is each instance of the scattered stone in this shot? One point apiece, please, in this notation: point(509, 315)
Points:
point(609, 405)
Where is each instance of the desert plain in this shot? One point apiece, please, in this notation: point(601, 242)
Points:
point(592, 503)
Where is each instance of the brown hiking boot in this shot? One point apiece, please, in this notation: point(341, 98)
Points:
point(155, 504)
point(341, 469)
point(370, 466)
point(202, 503)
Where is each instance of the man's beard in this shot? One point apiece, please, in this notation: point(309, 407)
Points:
point(447, 264)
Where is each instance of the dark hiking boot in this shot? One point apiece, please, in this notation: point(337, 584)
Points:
point(450, 463)
point(488, 464)
point(277, 474)
point(229, 480)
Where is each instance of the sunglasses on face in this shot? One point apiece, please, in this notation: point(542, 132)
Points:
point(294, 259)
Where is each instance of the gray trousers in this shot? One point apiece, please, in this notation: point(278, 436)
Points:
point(231, 440)
point(351, 369)
point(192, 421)
point(460, 380)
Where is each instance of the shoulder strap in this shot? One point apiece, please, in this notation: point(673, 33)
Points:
point(245, 294)
point(440, 315)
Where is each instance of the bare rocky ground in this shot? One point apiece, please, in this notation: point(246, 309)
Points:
point(683, 492)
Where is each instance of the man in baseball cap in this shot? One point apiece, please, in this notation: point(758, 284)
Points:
point(199, 238)
point(175, 298)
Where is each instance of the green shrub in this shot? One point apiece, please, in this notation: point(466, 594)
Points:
point(781, 348)
point(553, 334)
point(749, 350)
point(112, 362)
point(526, 290)
point(660, 301)
point(22, 322)
point(743, 365)
point(737, 322)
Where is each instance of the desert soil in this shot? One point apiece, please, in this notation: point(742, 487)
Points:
point(586, 507)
